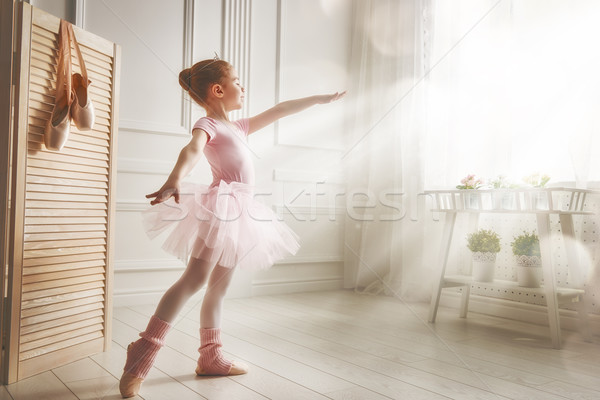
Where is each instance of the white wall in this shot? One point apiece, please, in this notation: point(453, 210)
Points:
point(296, 48)
point(64, 9)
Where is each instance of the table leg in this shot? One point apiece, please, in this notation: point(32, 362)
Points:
point(575, 273)
point(473, 227)
point(584, 321)
point(543, 222)
point(464, 301)
point(449, 221)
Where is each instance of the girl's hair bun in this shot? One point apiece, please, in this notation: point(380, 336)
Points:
point(185, 79)
point(197, 79)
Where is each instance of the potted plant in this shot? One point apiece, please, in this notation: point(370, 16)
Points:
point(539, 200)
point(485, 245)
point(537, 180)
point(470, 182)
point(526, 248)
point(503, 199)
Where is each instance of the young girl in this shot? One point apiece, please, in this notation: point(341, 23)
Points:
point(220, 227)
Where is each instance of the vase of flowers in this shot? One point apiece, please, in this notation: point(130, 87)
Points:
point(470, 182)
point(526, 248)
point(485, 245)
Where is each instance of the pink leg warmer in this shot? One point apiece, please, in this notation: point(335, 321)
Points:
point(211, 361)
point(142, 353)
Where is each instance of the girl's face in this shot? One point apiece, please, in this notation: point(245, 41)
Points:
point(233, 91)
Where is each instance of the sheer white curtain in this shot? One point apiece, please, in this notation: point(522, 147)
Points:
point(384, 159)
point(514, 91)
point(443, 89)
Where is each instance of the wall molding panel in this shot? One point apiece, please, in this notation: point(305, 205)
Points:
point(132, 297)
point(297, 175)
point(171, 264)
point(307, 210)
point(311, 259)
point(80, 13)
point(291, 286)
point(188, 59)
point(140, 205)
point(131, 205)
point(143, 166)
point(151, 295)
point(235, 45)
point(153, 128)
point(336, 149)
point(148, 265)
point(309, 61)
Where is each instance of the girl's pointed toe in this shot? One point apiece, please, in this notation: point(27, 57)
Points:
point(129, 385)
point(237, 368)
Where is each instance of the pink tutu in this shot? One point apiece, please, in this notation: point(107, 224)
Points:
point(223, 224)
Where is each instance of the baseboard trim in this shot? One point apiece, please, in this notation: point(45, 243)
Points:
point(268, 288)
point(172, 264)
point(148, 265)
point(126, 298)
point(523, 312)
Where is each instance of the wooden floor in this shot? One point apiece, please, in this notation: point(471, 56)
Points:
point(338, 345)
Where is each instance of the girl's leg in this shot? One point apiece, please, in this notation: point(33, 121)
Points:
point(211, 361)
point(193, 279)
point(210, 313)
point(142, 353)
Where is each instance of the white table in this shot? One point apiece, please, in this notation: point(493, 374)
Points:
point(565, 202)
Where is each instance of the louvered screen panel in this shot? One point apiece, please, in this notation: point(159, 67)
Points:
point(69, 209)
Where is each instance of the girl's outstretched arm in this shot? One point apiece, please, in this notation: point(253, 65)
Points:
point(188, 157)
point(289, 107)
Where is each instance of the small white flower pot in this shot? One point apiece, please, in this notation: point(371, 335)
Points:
point(471, 201)
point(530, 277)
point(484, 267)
point(508, 201)
point(529, 271)
point(504, 200)
point(540, 201)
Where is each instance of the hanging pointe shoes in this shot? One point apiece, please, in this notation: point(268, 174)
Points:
point(58, 126)
point(72, 98)
point(82, 109)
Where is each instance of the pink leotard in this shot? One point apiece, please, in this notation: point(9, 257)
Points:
point(227, 150)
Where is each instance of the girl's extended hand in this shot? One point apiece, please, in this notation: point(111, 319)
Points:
point(329, 98)
point(164, 193)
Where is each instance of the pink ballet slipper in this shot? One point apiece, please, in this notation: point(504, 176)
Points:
point(141, 355)
point(211, 361)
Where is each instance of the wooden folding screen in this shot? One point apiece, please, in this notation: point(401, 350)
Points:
point(62, 207)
